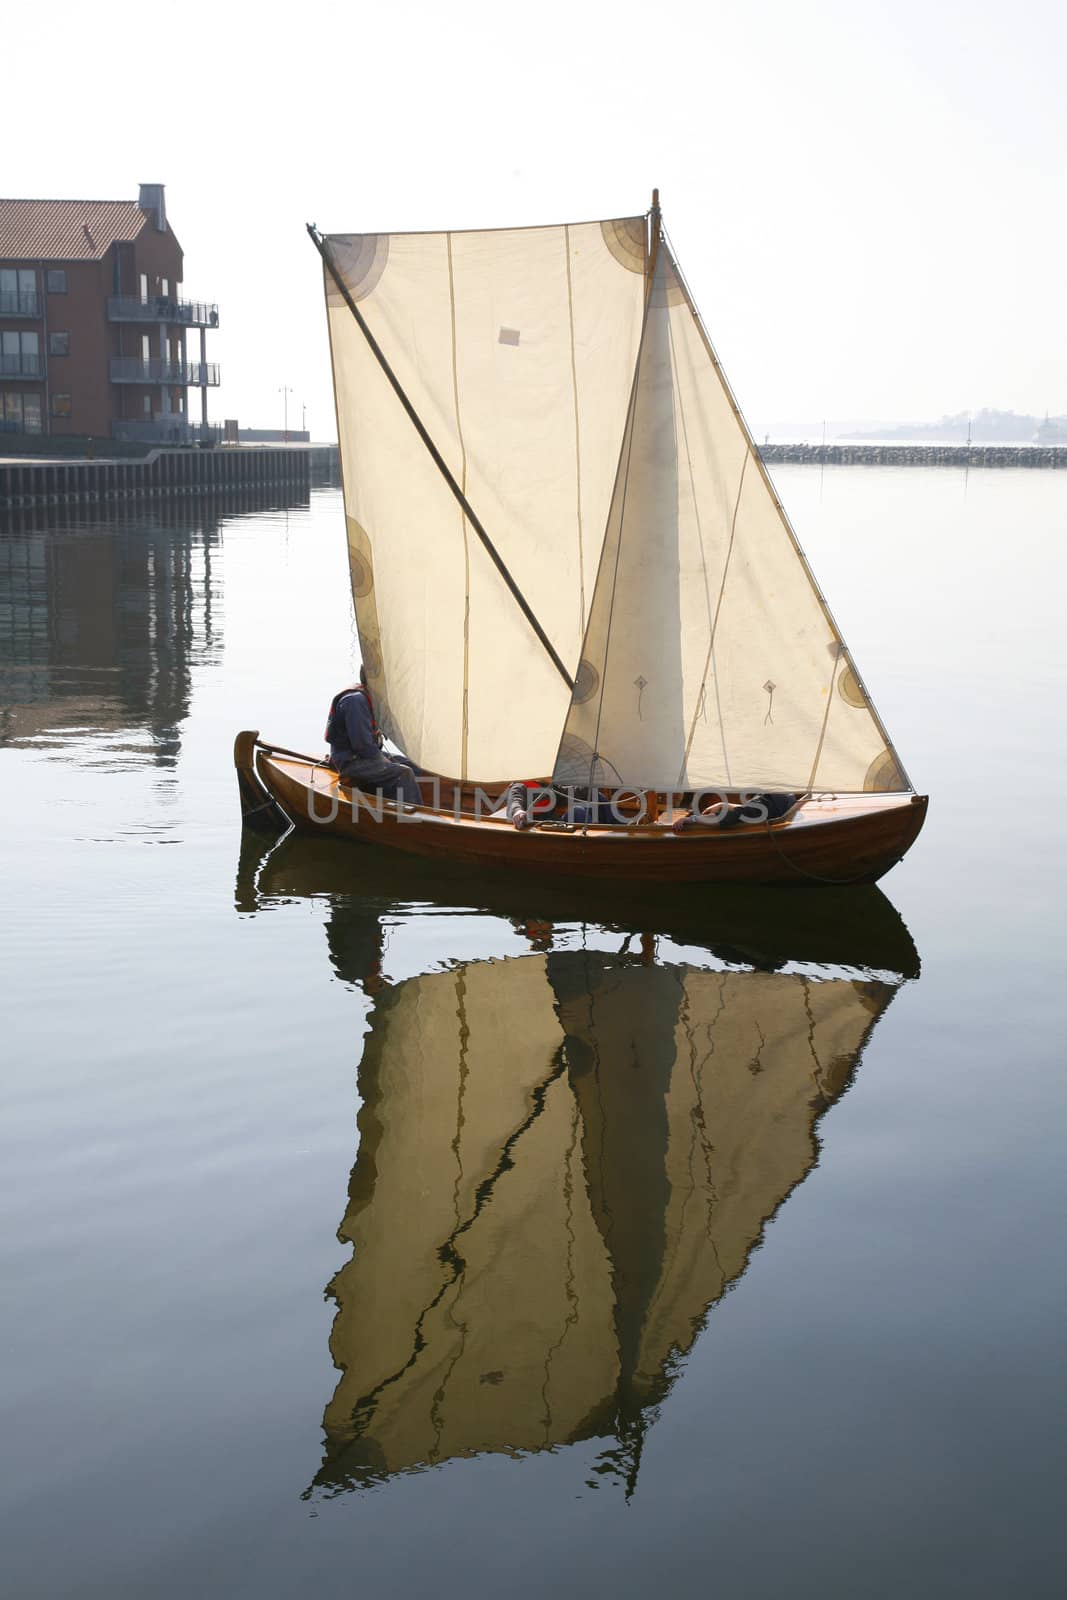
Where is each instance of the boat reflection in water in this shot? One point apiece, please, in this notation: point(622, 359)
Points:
point(564, 1161)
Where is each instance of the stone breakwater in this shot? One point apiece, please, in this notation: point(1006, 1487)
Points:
point(917, 455)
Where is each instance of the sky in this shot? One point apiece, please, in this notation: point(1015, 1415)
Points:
point(867, 198)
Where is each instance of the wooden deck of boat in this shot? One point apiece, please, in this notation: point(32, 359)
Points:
point(836, 839)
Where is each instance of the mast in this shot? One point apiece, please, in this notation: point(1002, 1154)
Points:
point(655, 233)
point(438, 459)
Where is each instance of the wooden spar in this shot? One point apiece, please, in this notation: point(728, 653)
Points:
point(655, 229)
point(437, 458)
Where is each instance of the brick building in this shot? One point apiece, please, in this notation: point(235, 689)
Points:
point(94, 331)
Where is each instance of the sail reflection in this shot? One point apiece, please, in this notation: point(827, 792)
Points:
point(564, 1161)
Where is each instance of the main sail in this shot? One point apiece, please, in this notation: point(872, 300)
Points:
point(517, 349)
point(564, 377)
point(710, 658)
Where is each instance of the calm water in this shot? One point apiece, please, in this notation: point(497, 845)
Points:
point(366, 1233)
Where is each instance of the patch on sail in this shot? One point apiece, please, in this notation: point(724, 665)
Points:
point(361, 568)
point(372, 658)
point(586, 682)
point(577, 763)
point(884, 775)
point(668, 290)
point(625, 238)
point(362, 576)
point(848, 687)
point(359, 560)
point(360, 258)
point(509, 336)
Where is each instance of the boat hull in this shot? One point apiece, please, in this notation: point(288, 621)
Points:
point(831, 840)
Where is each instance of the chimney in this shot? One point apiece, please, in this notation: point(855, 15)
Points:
point(150, 198)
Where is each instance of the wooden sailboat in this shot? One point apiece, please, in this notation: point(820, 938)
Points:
point(568, 561)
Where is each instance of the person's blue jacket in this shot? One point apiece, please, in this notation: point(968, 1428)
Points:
point(358, 737)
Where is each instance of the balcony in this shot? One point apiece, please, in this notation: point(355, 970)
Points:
point(163, 308)
point(197, 374)
point(20, 303)
point(21, 366)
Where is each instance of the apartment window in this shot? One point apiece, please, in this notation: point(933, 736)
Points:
point(59, 344)
point(61, 406)
point(20, 354)
point(56, 280)
point(144, 288)
point(164, 287)
point(181, 404)
point(146, 405)
point(20, 413)
point(18, 291)
point(146, 348)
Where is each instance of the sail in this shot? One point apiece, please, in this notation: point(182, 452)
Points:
point(710, 659)
point(517, 349)
point(564, 1161)
point(458, 1326)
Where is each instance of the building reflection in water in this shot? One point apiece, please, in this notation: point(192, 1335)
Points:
point(105, 612)
point(564, 1160)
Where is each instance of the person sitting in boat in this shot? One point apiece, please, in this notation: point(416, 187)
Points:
point(356, 752)
point(528, 801)
point(719, 814)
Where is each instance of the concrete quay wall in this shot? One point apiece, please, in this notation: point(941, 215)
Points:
point(25, 483)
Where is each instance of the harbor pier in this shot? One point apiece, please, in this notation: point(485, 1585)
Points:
point(27, 481)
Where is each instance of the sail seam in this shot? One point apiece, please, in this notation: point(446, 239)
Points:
point(713, 620)
point(622, 475)
point(577, 432)
point(838, 658)
point(465, 723)
point(715, 629)
point(629, 444)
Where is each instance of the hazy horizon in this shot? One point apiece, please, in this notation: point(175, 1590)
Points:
point(866, 200)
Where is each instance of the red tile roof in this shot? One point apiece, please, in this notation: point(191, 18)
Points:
point(67, 230)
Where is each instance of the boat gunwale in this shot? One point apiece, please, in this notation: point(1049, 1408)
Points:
point(803, 816)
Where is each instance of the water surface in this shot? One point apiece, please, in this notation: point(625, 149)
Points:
point(372, 1230)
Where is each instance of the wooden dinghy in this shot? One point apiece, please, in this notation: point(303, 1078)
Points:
point(824, 840)
point(567, 559)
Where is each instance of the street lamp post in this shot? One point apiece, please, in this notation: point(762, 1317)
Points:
point(285, 392)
